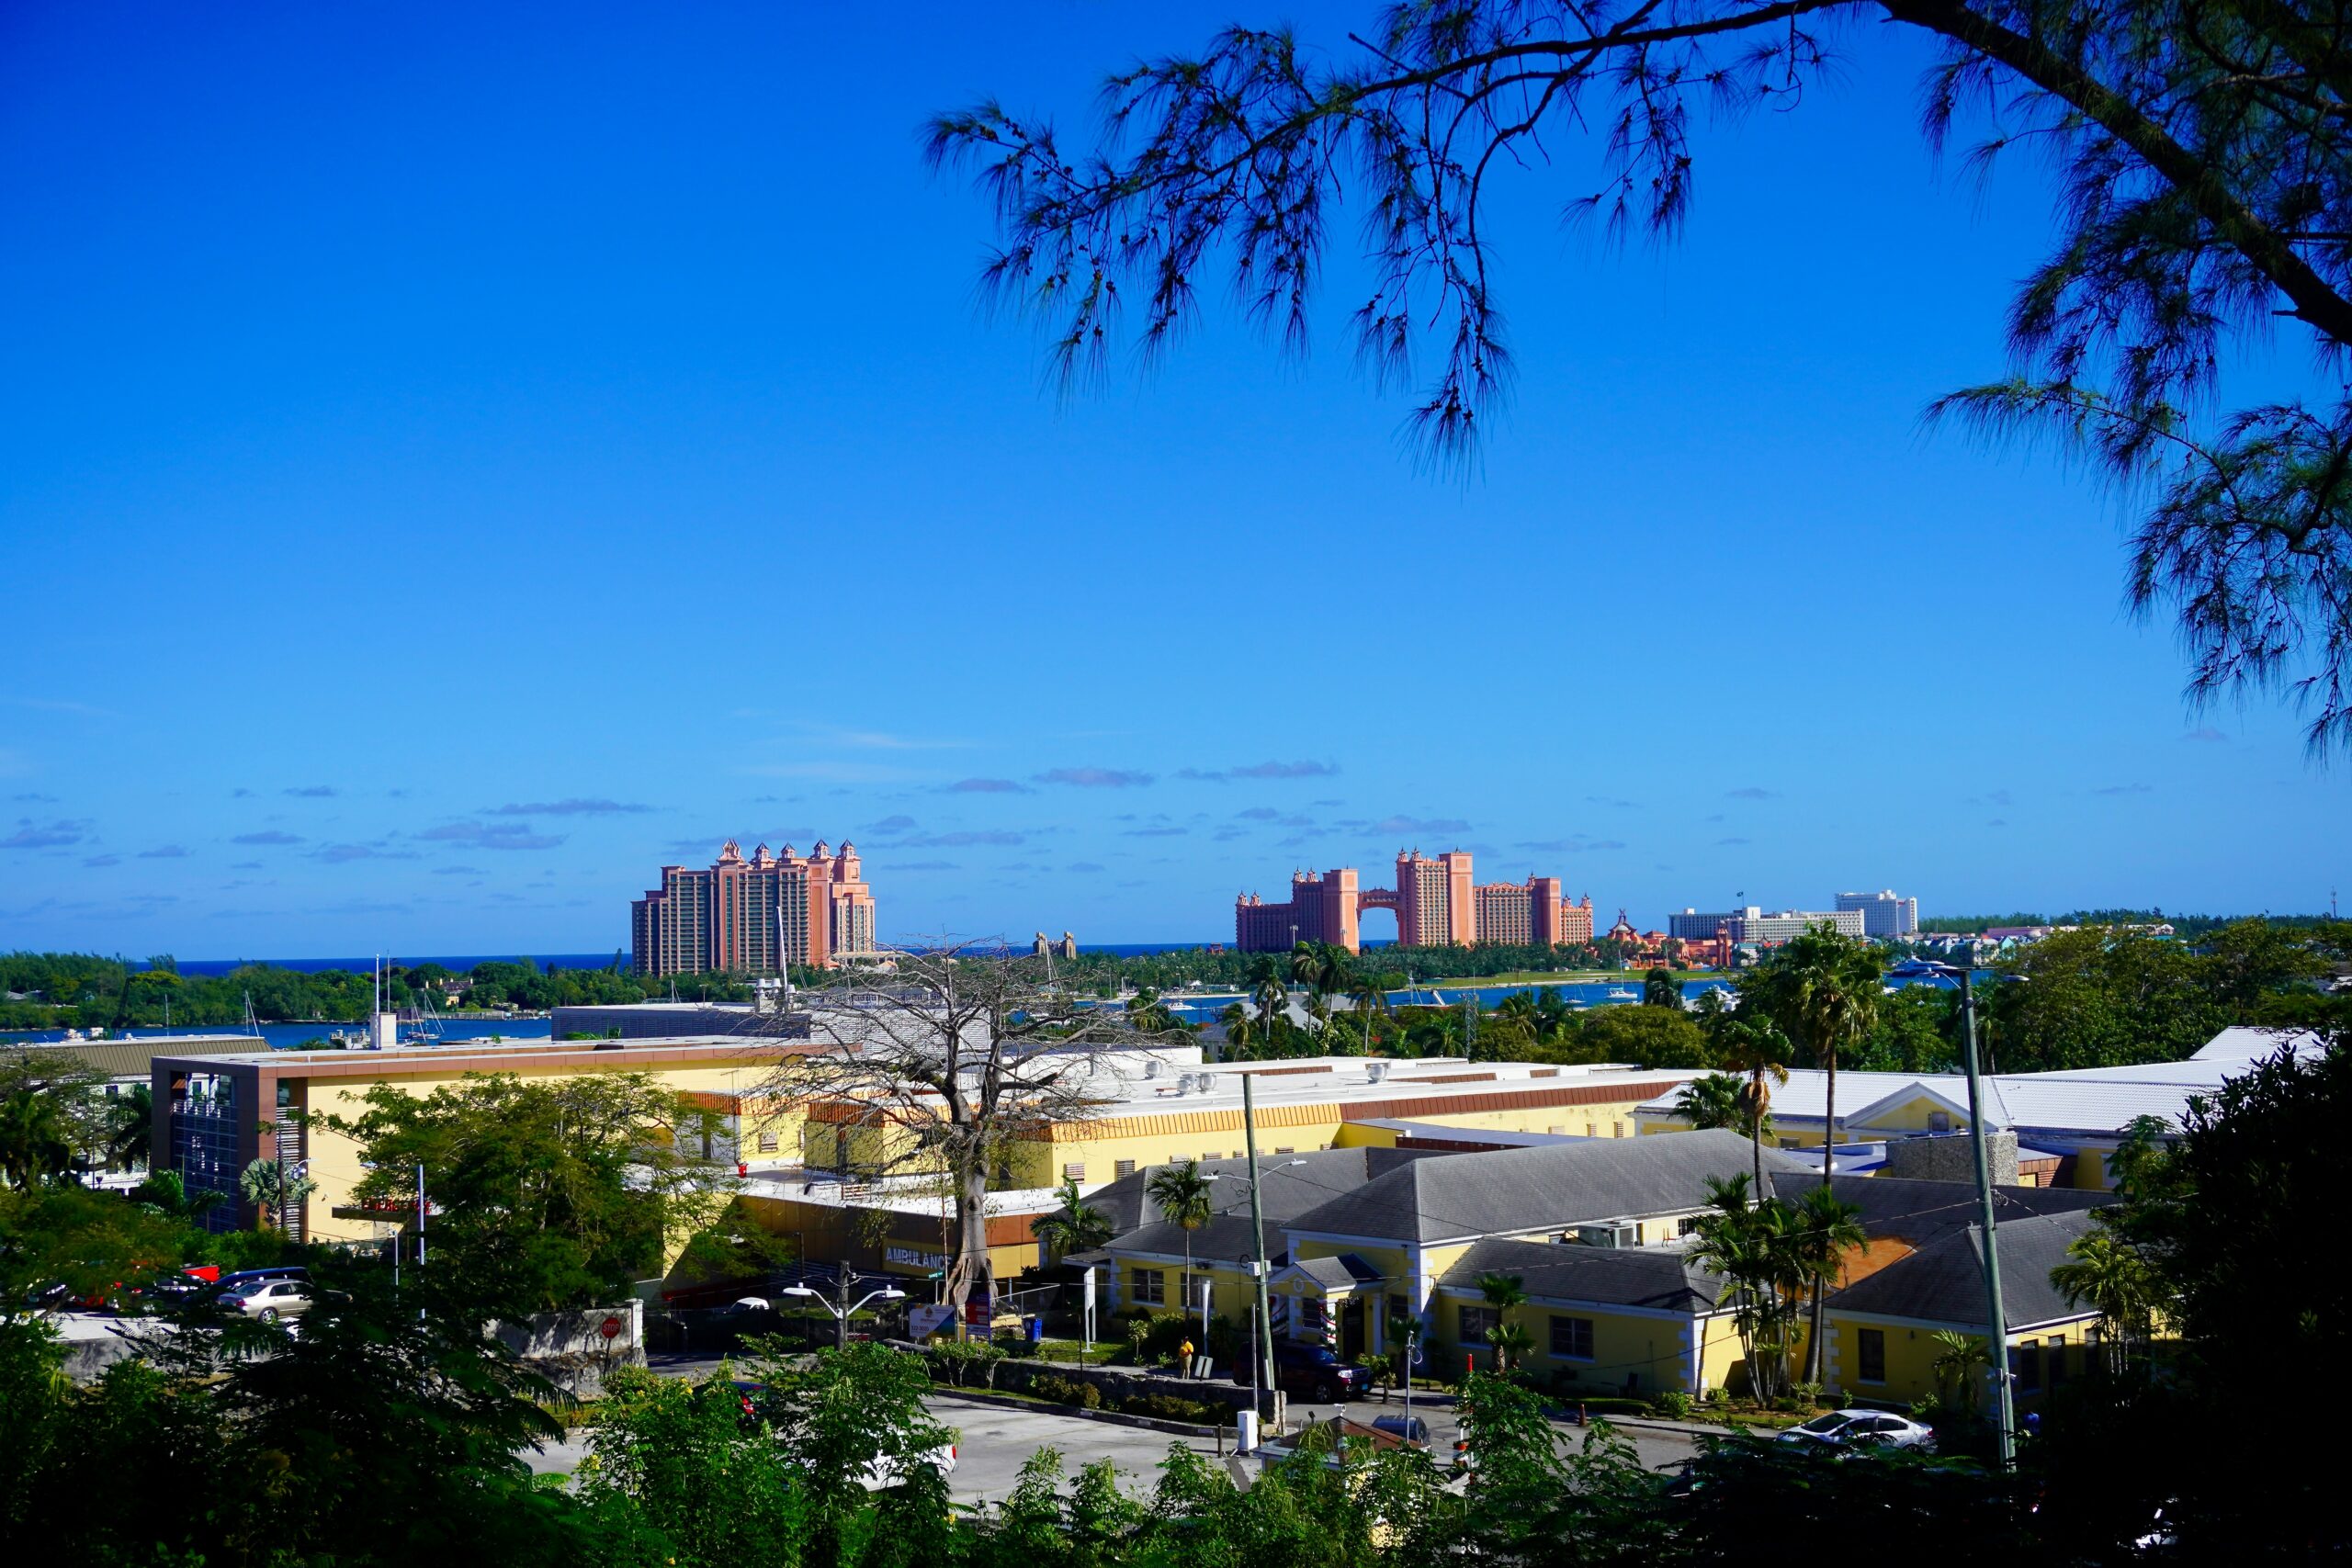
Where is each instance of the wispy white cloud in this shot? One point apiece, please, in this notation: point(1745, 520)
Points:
point(1421, 825)
point(56, 833)
point(493, 836)
point(1095, 778)
point(569, 808)
point(1260, 770)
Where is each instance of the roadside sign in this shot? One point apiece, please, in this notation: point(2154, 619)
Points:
point(610, 1328)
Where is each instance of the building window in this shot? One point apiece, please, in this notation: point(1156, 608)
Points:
point(1074, 1171)
point(1475, 1321)
point(1122, 1168)
point(767, 1142)
point(1873, 1355)
point(2057, 1360)
point(1286, 1151)
point(1151, 1287)
point(1572, 1338)
point(1616, 1129)
point(2025, 1365)
point(1589, 1130)
point(1687, 1224)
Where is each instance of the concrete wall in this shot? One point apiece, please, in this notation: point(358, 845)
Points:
point(1947, 1156)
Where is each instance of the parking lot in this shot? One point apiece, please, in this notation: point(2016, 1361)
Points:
point(994, 1441)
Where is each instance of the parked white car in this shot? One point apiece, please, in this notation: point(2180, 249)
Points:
point(884, 1473)
point(1861, 1428)
point(269, 1299)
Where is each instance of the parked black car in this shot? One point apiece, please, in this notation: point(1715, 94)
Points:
point(1315, 1372)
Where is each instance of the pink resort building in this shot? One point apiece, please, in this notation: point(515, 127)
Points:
point(754, 916)
point(1436, 902)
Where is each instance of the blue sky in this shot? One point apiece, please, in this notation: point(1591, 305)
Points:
point(453, 460)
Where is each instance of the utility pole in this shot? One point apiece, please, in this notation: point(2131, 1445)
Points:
point(1265, 1348)
point(1996, 1317)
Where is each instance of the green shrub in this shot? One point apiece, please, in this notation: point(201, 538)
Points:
point(1174, 1407)
point(1058, 1390)
point(1673, 1403)
point(958, 1360)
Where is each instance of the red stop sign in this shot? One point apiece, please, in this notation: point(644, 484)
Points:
point(610, 1328)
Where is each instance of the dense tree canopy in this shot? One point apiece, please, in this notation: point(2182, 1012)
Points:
point(551, 1194)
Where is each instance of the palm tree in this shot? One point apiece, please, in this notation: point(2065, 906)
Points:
point(1822, 1231)
point(1269, 991)
point(1753, 1047)
point(1242, 1035)
point(1502, 1292)
point(1712, 1102)
point(131, 1140)
point(1149, 1014)
point(270, 1189)
point(1829, 986)
point(1740, 1243)
point(1511, 1342)
point(36, 1139)
point(1369, 999)
point(1181, 1193)
point(1661, 989)
point(1076, 1227)
point(2110, 1274)
point(1959, 1367)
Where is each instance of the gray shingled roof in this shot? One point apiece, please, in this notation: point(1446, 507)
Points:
point(1660, 1278)
point(1288, 1190)
point(1925, 1212)
point(1945, 1283)
point(1510, 1190)
point(1342, 1273)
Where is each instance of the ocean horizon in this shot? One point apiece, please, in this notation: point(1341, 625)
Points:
point(585, 959)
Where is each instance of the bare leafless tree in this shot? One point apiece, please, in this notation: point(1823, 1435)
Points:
point(961, 1052)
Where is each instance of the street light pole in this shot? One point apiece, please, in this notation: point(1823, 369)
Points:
point(1265, 1367)
point(843, 1314)
point(1996, 1316)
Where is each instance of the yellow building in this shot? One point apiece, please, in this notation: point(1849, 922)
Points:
point(1882, 1328)
point(1379, 1245)
point(214, 1115)
point(1163, 1109)
point(1636, 1321)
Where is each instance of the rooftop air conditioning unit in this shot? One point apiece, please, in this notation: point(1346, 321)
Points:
point(1608, 1233)
point(1375, 1072)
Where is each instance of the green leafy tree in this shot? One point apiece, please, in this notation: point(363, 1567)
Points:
point(675, 1471)
point(1645, 1036)
point(843, 1421)
point(551, 1194)
point(49, 1114)
point(1661, 989)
